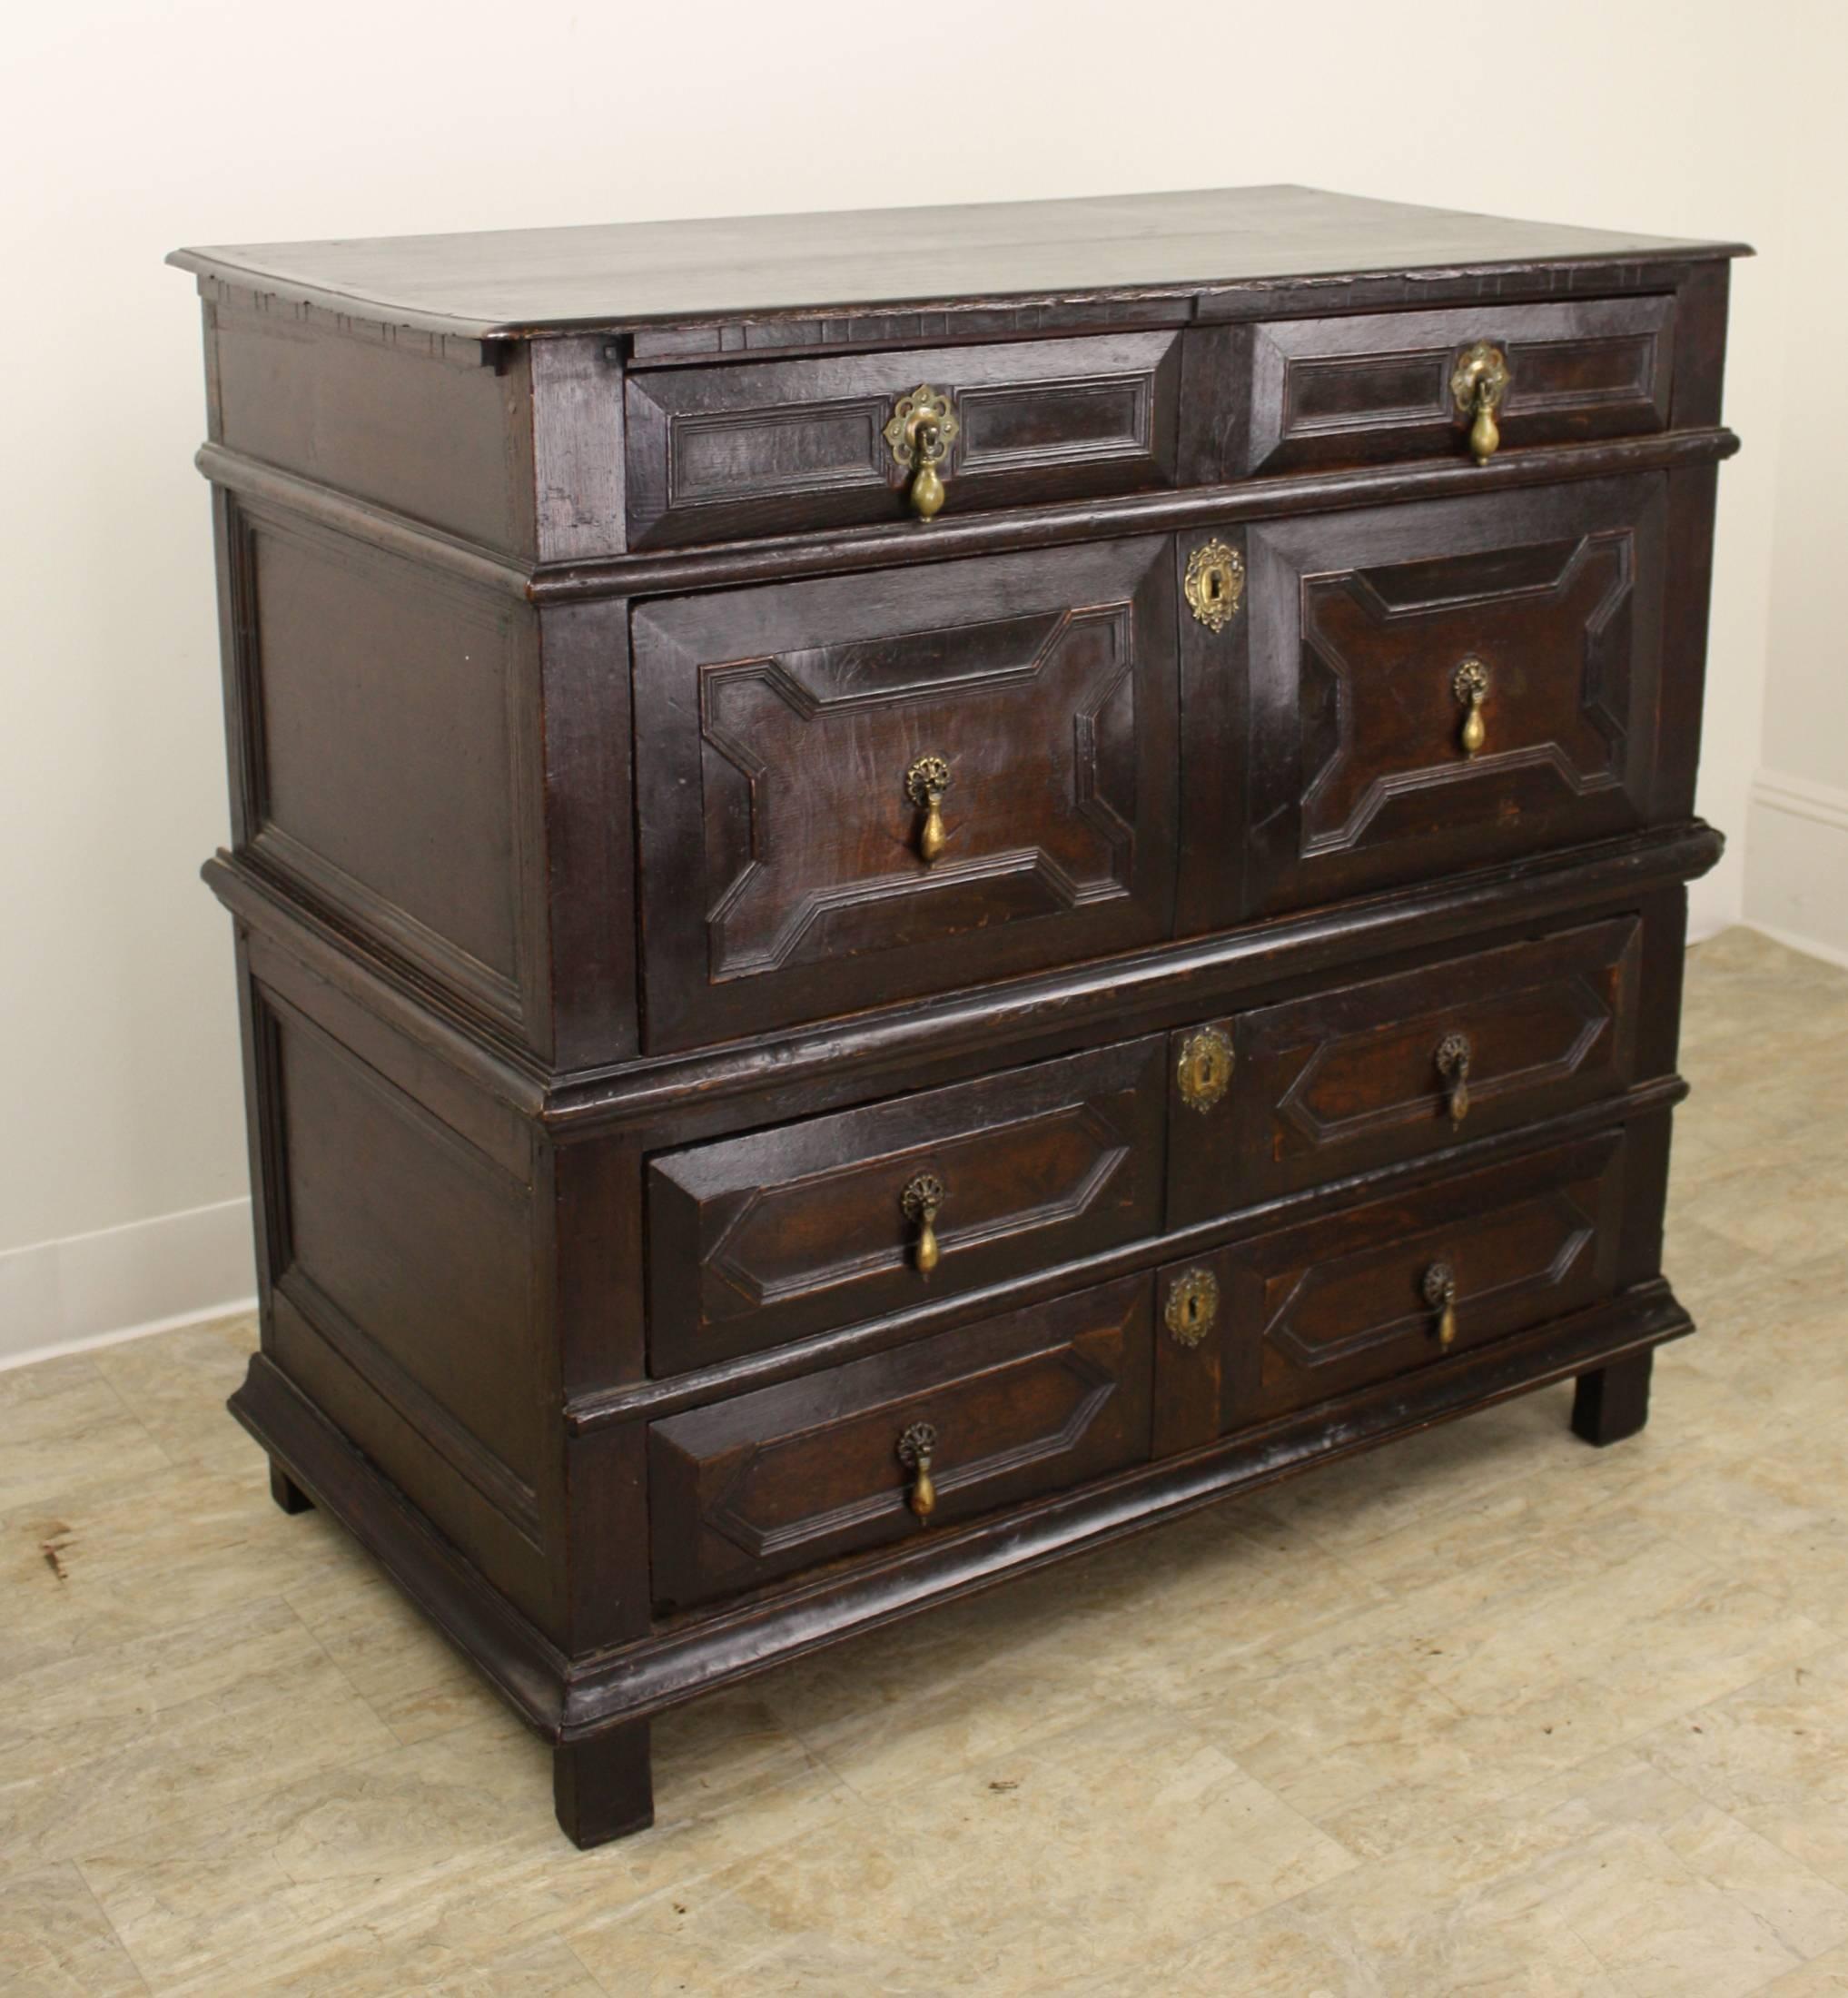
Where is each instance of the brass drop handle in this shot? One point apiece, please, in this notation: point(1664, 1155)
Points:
point(1453, 1064)
point(921, 1200)
point(1478, 386)
point(1469, 684)
point(918, 434)
point(915, 1447)
point(1440, 1294)
point(924, 785)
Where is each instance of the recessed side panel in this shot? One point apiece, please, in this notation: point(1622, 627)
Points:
point(388, 758)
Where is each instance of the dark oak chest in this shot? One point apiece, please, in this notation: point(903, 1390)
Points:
point(889, 926)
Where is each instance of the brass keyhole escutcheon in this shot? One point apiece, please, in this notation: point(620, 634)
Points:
point(1440, 1294)
point(918, 433)
point(915, 1447)
point(924, 785)
point(1204, 1071)
point(1453, 1058)
point(1478, 387)
point(1469, 684)
point(1193, 1305)
point(920, 1201)
point(1214, 584)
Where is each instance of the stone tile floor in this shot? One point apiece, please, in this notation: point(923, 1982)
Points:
point(1485, 1712)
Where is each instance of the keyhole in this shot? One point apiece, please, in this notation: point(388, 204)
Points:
point(1209, 1072)
point(1194, 1311)
point(1215, 586)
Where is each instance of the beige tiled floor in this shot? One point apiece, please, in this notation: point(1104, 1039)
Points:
point(1486, 1712)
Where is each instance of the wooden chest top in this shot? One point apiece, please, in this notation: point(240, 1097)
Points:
point(517, 283)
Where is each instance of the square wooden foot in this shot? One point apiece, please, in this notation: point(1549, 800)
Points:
point(603, 1784)
point(286, 1492)
point(1613, 1402)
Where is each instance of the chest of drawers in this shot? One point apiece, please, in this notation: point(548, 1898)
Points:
point(915, 889)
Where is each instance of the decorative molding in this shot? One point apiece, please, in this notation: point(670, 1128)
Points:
point(1797, 863)
point(1802, 798)
point(119, 1283)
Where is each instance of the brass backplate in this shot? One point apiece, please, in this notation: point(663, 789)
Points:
point(1469, 682)
point(927, 774)
point(921, 1197)
point(1214, 584)
point(919, 1440)
point(1481, 370)
point(925, 413)
point(1204, 1071)
point(1193, 1304)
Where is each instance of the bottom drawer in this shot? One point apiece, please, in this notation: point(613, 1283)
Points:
point(1378, 1290)
point(792, 1474)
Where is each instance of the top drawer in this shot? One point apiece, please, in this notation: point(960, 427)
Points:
point(789, 446)
point(1384, 385)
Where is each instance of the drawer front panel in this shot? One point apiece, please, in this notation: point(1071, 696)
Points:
point(1357, 391)
point(1389, 1068)
point(768, 447)
point(1350, 1299)
point(803, 1472)
point(784, 1232)
point(784, 737)
point(1369, 631)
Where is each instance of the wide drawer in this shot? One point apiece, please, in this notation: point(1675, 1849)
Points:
point(782, 1232)
point(1376, 637)
point(1340, 1303)
point(1364, 1074)
point(863, 789)
point(799, 1473)
point(1385, 385)
point(762, 447)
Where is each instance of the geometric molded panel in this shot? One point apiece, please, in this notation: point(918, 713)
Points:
point(800, 1472)
point(782, 873)
point(1371, 387)
point(1332, 1305)
point(1359, 625)
point(755, 447)
point(773, 1235)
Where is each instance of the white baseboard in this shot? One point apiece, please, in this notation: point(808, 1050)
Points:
point(95, 1289)
point(1797, 863)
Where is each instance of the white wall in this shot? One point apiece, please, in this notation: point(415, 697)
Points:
point(1796, 843)
point(128, 129)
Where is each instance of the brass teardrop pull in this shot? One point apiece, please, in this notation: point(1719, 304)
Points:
point(921, 1200)
point(924, 785)
point(918, 434)
point(916, 1449)
point(1453, 1057)
point(1440, 1294)
point(1478, 386)
point(1469, 684)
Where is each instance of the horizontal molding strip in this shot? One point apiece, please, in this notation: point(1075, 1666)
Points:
point(1802, 798)
point(725, 1379)
point(1131, 994)
point(1194, 976)
point(397, 533)
point(778, 558)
